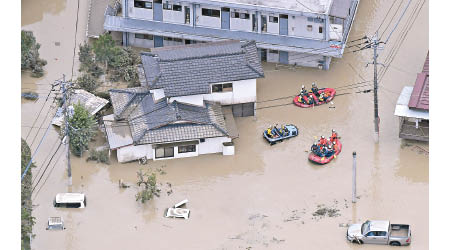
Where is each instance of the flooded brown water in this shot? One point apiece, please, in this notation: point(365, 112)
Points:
point(263, 197)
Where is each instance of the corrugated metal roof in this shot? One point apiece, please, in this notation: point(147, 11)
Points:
point(420, 95)
point(189, 70)
point(402, 109)
point(118, 133)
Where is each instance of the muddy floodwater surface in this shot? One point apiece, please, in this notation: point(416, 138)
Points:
point(263, 197)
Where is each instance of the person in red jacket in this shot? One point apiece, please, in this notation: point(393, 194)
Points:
point(333, 135)
point(322, 140)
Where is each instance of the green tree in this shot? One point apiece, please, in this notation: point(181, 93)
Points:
point(104, 48)
point(81, 129)
point(87, 82)
point(87, 60)
point(30, 54)
point(27, 220)
point(150, 189)
point(124, 64)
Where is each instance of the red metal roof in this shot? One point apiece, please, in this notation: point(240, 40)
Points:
point(420, 95)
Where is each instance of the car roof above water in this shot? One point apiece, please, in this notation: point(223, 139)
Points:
point(379, 225)
point(69, 197)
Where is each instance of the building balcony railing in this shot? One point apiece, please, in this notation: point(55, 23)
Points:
point(408, 130)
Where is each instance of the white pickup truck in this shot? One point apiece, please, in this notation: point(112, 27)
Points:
point(379, 232)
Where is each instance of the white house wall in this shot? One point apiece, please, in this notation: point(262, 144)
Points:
point(171, 16)
point(179, 155)
point(212, 145)
point(132, 153)
point(139, 13)
point(273, 57)
point(273, 28)
point(192, 99)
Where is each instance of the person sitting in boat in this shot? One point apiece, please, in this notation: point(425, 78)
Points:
point(333, 137)
point(310, 100)
point(322, 97)
point(314, 89)
point(324, 151)
point(329, 152)
point(315, 149)
point(303, 92)
point(335, 146)
point(269, 132)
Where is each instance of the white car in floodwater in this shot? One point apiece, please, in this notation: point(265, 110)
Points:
point(379, 232)
point(70, 200)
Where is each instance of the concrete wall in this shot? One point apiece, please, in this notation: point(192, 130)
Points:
point(212, 145)
point(207, 21)
point(273, 57)
point(297, 26)
point(272, 28)
point(142, 43)
point(303, 59)
point(139, 13)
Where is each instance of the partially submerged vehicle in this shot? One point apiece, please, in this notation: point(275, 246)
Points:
point(379, 232)
point(177, 212)
point(280, 134)
point(303, 102)
point(323, 159)
point(55, 223)
point(70, 200)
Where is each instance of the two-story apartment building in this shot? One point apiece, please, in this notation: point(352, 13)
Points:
point(223, 72)
point(301, 32)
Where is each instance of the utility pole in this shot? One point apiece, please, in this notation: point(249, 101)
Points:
point(65, 89)
point(354, 179)
point(374, 44)
point(375, 88)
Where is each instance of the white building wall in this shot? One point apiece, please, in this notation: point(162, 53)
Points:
point(142, 43)
point(139, 13)
point(157, 94)
point(272, 28)
point(243, 91)
point(212, 145)
point(207, 21)
point(171, 16)
point(132, 153)
point(298, 27)
point(241, 24)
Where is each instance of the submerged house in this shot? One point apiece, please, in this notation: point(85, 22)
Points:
point(223, 72)
point(142, 126)
point(187, 102)
point(302, 32)
point(413, 107)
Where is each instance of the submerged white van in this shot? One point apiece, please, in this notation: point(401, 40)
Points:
point(70, 200)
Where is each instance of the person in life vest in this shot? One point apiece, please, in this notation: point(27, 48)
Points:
point(330, 151)
point(314, 89)
point(322, 97)
point(335, 147)
point(269, 132)
point(333, 135)
point(303, 92)
point(310, 100)
point(315, 149)
point(324, 151)
point(323, 141)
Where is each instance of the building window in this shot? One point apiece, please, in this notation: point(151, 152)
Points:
point(176, 7)
point(244, 16)
point(320, 29)
point(168, 38)
point(309, 27)
point(187, 15)
point(186, 149)
point(310, 19)
point(202, 139)
point(273, 51)
point(143, 4)
point(178, 40)
point(167, 6)
point(223, 87)
point(143, 36)
point(234, 14)
point(210, 12)
point(164, 152)
point(318, 20)
point(273, 19)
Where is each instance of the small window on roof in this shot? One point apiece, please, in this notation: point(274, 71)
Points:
point(177, 7)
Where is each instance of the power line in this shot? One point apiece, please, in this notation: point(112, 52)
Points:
point(392, 5)
point(305, 6)
point(46, 158)
point(395, 27)
point(51, 170)
point(48, 164)
point(392, 18)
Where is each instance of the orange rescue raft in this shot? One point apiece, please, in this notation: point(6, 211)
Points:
point(324, 160)
point(330, 91)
